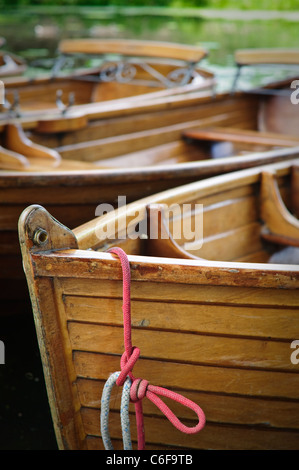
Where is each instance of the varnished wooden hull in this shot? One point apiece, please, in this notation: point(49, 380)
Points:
point(218, 331)
point(73, 195)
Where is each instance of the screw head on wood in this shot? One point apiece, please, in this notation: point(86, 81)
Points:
point(40, 237)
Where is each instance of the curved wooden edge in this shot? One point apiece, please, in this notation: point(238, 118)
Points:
point(87, 233)
point(155, 102)
point(280, 225)
point(160, 242)
point(60, 390)
point(39, 231)
point(17, 141)
point(128, 47)
point(10, 160)
point(267, 56)
point(295, 189)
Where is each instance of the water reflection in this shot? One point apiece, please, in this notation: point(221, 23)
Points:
point(39, 34)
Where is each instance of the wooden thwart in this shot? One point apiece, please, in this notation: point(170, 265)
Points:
point(267, 56)
point(133, 48)
point(242, 136)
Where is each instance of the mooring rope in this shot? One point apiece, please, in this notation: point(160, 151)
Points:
point(141, 388)
point(124, 412)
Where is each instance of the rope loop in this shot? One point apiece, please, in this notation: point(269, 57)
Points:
point(124, 412)
point(138, 390)
point(152, 394)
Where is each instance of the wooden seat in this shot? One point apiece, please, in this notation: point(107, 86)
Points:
point(127, 47)
point(138, 62)
point(273, 56)
point(242, 136)
point(267, 56)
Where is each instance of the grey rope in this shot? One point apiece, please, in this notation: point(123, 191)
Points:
point(124, 412)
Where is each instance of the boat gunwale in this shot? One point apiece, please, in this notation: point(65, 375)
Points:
point(169, 270)
point(88, 242)
point(149, 173)
point(86, 233)
point(119, 107)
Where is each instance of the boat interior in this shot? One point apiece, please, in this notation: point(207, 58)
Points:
point(217, 129)
point(126, 69)
point(210, 127)
point(250, 220)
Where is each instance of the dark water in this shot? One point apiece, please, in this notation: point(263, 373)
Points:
point(25, 420)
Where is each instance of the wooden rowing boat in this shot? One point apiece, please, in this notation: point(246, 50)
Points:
point(70, 180)
point(138, 151)
point(224, 125)
point(129, 69)
point(269, 109)
point(216, 324)
point(83, 122)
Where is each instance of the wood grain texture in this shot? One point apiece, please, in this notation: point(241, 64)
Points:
point(267, 56)
point(72, 191)
point(217, 332)
point(132, 48)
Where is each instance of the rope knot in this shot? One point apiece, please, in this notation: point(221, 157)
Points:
point(140, 387)
point(127, 364)
point(138, 390)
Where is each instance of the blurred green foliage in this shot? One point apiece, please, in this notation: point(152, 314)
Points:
point(255, 4)
point(99, 3)
point(233, 4)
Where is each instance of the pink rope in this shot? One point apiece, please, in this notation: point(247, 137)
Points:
point(141, 388)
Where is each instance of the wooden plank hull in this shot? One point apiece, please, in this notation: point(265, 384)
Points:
point(72, 192)
point(219, 331)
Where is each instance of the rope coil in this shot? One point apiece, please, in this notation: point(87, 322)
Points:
point(140, 388)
